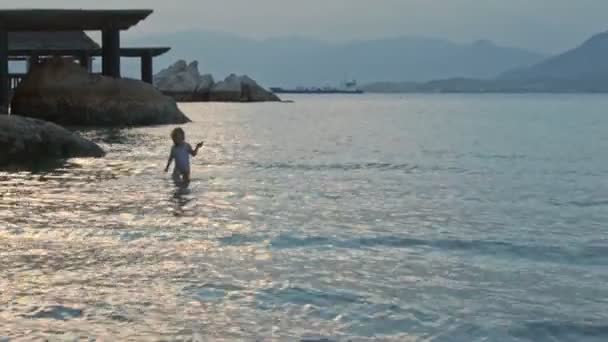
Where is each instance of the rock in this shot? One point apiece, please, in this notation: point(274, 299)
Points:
point(228, 90)
point(24, 140)
point(183, 82)
point(253, 92)
point(178, 78)
point(206, 82)
point(177, 67)
point(61, 91)
point(240, 89)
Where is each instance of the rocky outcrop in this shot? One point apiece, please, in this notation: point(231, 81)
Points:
point(205, 83)
point(240, 89)
point(252, 92)
point(24, 140)
point(184, 82)
point(61, 91)
point(228, 90)
point(179, 78)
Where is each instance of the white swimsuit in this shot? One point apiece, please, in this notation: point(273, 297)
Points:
point(181, 154)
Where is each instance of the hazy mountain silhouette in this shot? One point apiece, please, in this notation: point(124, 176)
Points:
point(589, 61)
point(300, 61)
point(583, 69)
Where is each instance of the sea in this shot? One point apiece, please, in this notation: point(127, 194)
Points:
point(330, 218)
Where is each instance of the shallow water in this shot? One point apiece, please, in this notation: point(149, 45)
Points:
point(398, 218)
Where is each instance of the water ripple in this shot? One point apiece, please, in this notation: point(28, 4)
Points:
point(336, 219)
point(591, 254)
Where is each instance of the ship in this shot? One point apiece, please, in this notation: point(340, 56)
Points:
point(349, 87)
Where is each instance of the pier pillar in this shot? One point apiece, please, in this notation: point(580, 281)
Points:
point(4, 76)
point(31, 61)
point(111, 52)
point(85, 61)
point(147, 73)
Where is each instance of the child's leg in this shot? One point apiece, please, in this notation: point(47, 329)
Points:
point(177, 177)
point(186, 178)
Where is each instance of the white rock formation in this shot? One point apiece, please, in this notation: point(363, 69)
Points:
point(228, 90)
point(253, 92)
point(179, 78)
point(205, 83)
point(184, 82)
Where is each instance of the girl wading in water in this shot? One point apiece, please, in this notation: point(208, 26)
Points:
point(181, 152)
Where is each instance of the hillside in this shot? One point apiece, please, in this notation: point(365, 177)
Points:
point(589, 61)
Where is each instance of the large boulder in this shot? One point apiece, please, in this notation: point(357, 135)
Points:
point(24, 140)
point(65, 93)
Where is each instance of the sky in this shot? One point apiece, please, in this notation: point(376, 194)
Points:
point(544, 25)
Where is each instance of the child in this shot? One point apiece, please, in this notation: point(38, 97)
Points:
point(181, 152)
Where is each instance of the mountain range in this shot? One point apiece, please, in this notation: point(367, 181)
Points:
point(583, 69)
point(293, 61)
point(589, 61)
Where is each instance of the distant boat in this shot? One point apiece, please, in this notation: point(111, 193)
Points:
point(349, 87)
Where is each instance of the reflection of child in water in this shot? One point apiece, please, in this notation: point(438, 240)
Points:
point(181, 152)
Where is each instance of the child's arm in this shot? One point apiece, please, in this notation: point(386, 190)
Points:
point(169, 161)
point(195, 151)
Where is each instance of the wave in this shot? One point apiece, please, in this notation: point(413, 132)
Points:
point(301, 296)
point(380, 167)
point(590, 254)
point(589, 203)
point(55, 312)
point(337, 166)
point(558, 330)
point(525, 331)
point(500, 156)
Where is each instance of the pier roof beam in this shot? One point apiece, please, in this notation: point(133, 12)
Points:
point(70, 20)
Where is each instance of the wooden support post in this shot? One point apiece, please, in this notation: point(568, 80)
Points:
point(147, 73)
point(31, 61)
point(4, 77)
point(111, 52)
point(85, 61)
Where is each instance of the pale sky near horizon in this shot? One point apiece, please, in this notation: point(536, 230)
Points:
point(543, 25)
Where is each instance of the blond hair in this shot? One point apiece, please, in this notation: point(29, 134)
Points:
point(178, 132)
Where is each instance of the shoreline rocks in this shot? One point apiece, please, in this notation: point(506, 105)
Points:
point(26, 140)
point(62, 92)
point(184, 82)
